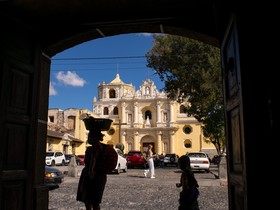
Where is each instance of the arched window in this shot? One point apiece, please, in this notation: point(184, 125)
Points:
point(188, 143)
point(71, 122)
point(105, 111)
point(182, 109)
point(51, 119)
point(115, 111)
point(112, 93)
point(148, 114)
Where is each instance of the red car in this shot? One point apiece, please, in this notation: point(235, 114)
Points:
point(136, 159)
point(82, 159)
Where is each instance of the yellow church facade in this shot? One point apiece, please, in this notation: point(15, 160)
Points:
point(147, 116)
point(140, 117)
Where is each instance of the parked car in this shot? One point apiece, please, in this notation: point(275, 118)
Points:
point(170, 159)
point(122, 162)
point(53, 177)
point(55, 158)
point(82, 159)
point(136, 159)
point(68, 159)
point(199, 161)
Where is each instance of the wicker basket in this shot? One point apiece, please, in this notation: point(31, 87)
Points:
point(97, 123)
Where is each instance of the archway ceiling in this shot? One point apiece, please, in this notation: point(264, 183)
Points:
point(65, 23)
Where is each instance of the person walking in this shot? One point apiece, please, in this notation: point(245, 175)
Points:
point(150, 159)
point(92, 180)
point(161, 160)
point(189, 194)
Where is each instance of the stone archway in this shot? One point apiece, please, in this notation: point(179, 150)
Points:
point(34, 32)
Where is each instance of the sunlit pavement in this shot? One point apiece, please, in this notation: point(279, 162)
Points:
point(132, 191)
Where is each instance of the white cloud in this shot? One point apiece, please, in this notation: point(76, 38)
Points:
point(145, 34)
point(149, 34)
point(70, 78)
point(52, 91)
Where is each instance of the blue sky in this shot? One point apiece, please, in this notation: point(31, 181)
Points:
point(74, 81)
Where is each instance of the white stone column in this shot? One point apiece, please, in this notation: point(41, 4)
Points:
point(171, 143)
point(135, 113)
point(171, 106)
point(111, 108)
point(158, 112)
point(159, 143)
point(118, 93)
point(136, 141)
point(123, 119)
point(105, 93)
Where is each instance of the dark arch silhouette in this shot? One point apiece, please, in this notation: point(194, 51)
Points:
point(148, 114)
point(106, 111)
point(32, 32)
point(116, 111)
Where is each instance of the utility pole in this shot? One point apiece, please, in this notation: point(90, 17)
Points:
point(120, 124)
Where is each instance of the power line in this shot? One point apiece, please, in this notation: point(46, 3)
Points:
point(103, 63)
point(54, 63)
point(99, 58)
point(97, 69)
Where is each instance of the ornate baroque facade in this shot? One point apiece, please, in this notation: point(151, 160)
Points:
point(140, 117)
point(147, 116)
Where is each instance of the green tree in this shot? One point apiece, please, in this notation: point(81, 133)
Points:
point(191, 71)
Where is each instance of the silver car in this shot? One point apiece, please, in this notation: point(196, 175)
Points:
point(122, 162)
point(171, 159)
point(199, 161)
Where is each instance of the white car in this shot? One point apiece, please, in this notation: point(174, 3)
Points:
point(122, 162)
point(55, 158)
point(199, 161)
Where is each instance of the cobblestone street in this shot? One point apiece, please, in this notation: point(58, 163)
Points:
point(134, 192)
